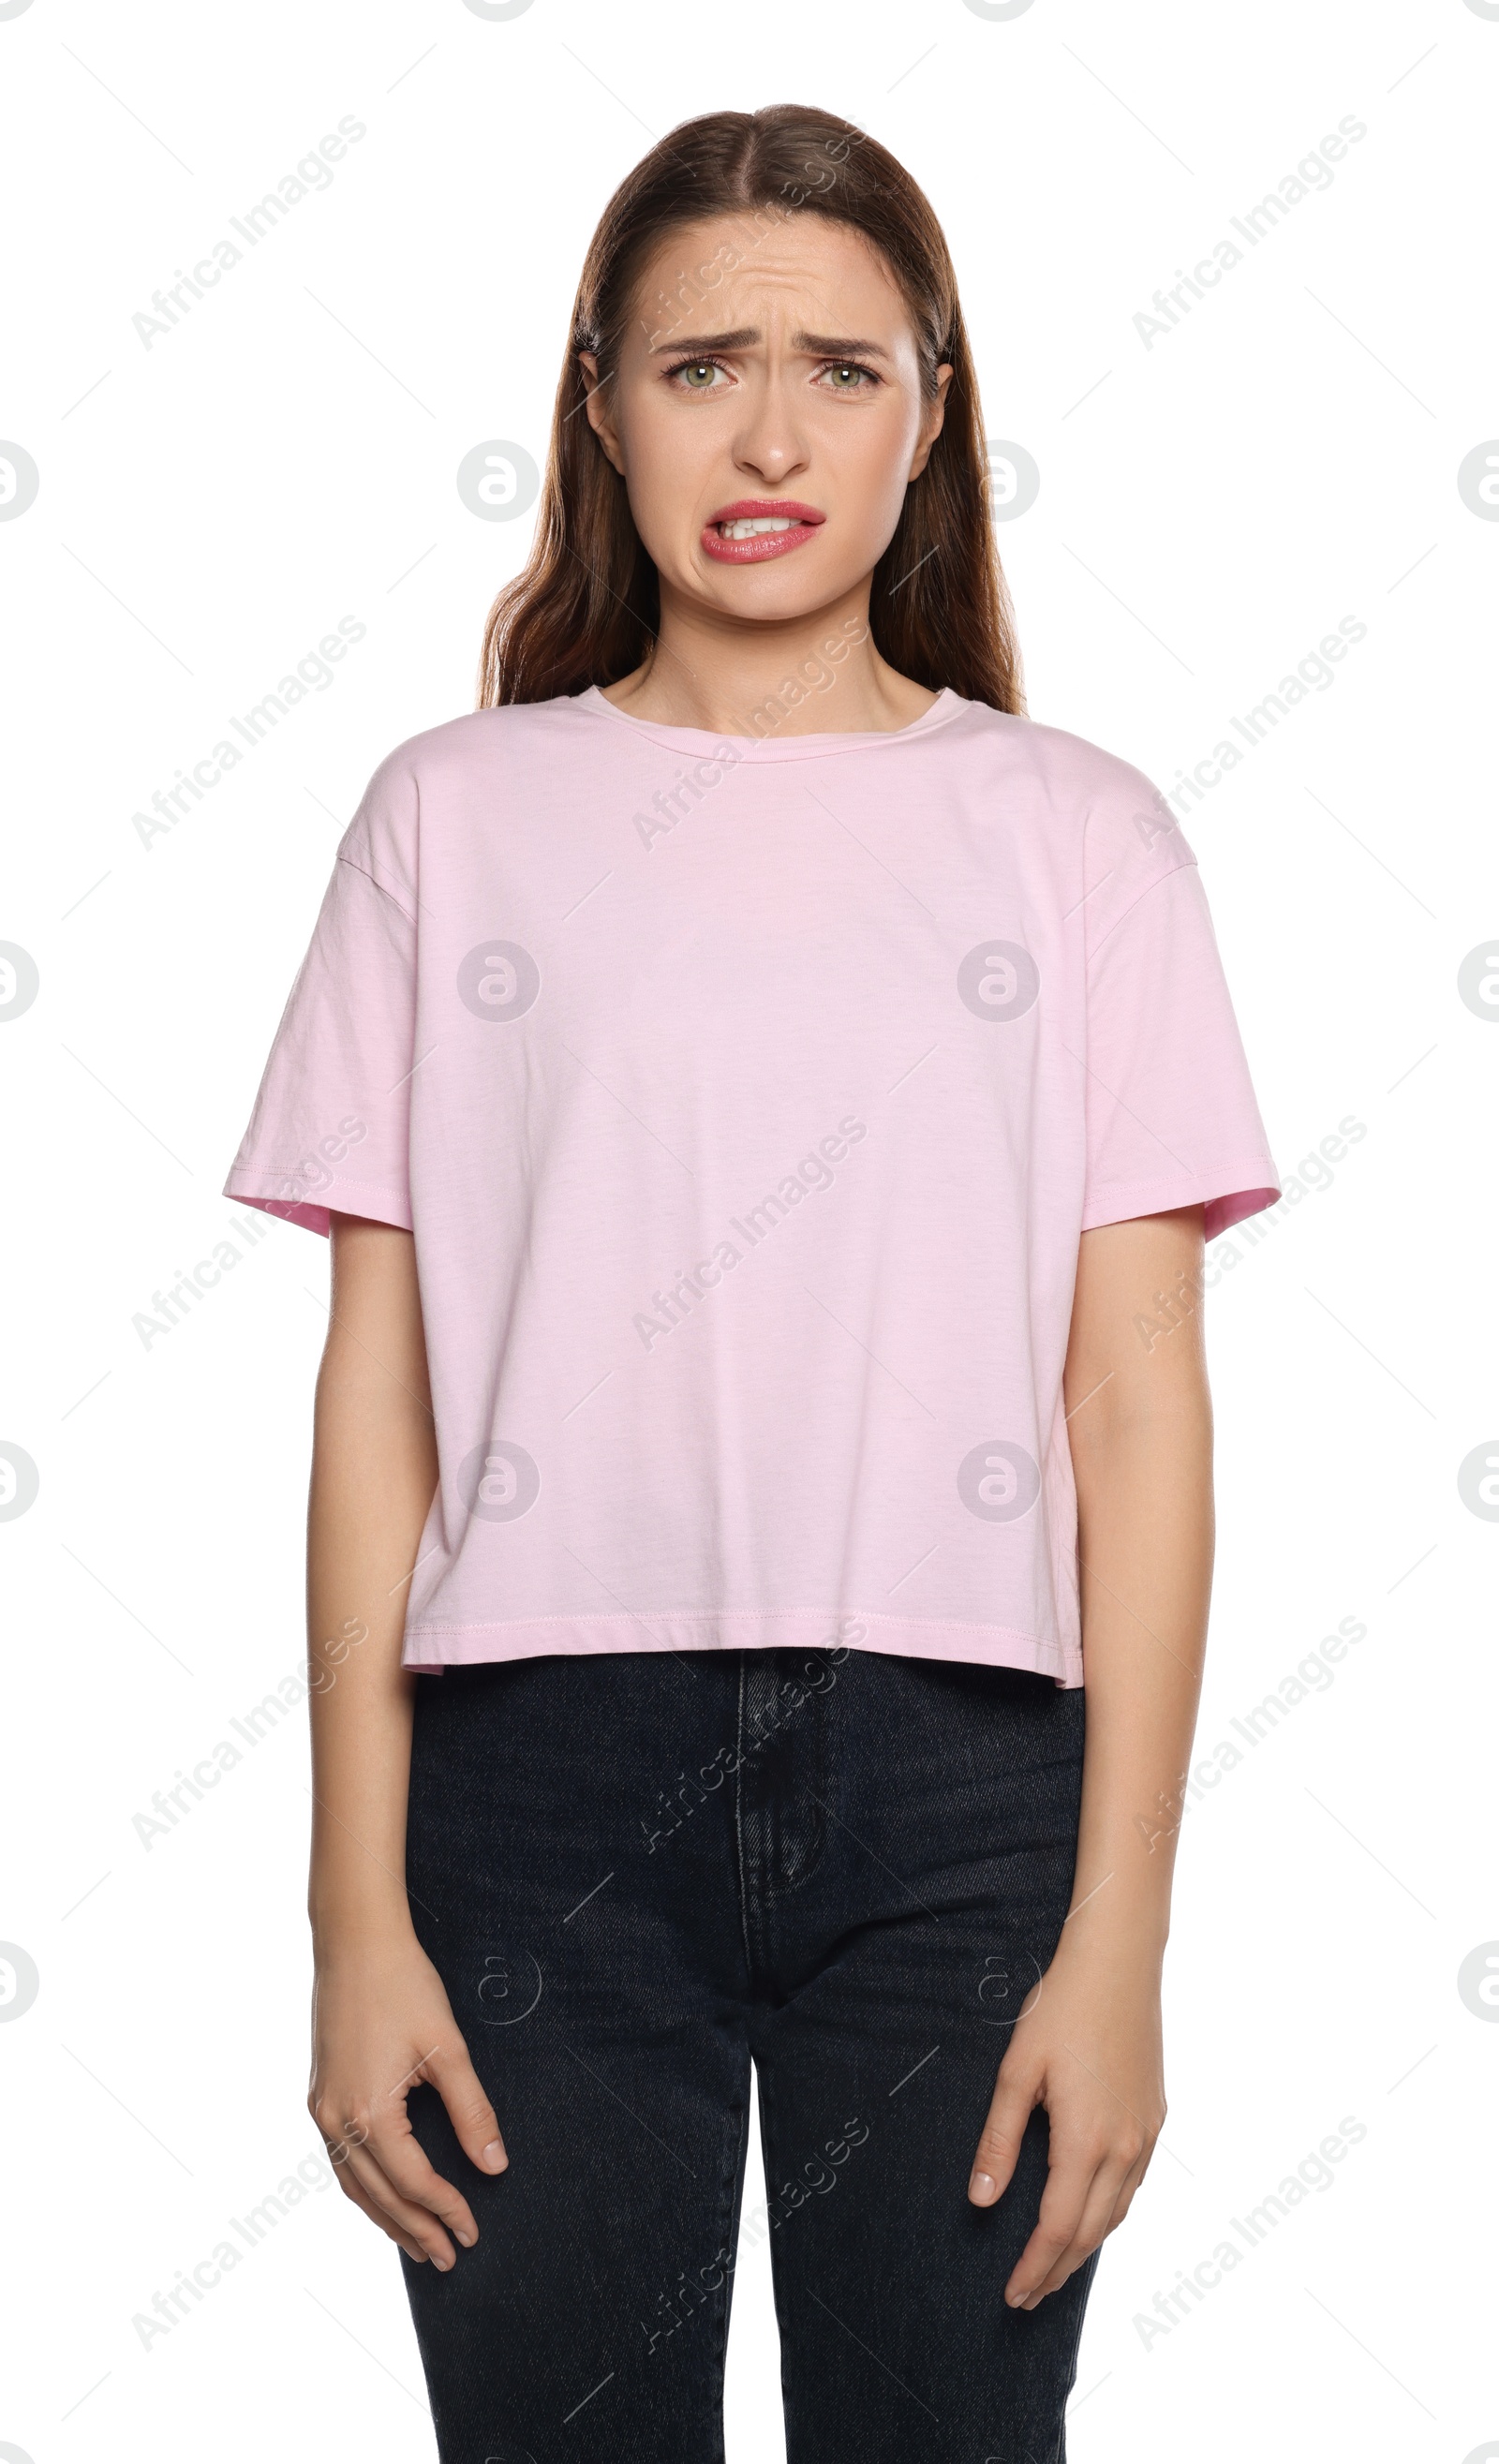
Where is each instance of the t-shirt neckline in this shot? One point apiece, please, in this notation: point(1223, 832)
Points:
point(947, 707)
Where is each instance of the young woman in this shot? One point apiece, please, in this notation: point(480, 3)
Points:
point(767, 1096)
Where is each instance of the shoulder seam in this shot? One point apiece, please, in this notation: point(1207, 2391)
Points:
point(1188, 863)
point(363, 871)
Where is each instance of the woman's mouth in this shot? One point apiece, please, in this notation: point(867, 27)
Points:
point(752, 530)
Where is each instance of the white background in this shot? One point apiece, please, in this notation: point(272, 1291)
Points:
point(1210, 507)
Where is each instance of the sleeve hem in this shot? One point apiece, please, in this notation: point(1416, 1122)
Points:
point(1227, 1193)
point(339, 1196)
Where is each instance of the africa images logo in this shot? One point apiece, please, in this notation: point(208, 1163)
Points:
point(499, 981)
point(999, 1481)
point(498, 1482)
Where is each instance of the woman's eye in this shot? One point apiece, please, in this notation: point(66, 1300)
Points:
point(698, 375)
point(846, 378)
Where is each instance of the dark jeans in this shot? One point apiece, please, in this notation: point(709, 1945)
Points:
point(636, 1872)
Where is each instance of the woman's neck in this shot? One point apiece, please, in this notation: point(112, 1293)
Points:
point(818, 675)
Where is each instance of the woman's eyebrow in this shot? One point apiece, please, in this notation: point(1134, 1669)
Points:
point(838, 346)
point(739, 341)
point(821, 346)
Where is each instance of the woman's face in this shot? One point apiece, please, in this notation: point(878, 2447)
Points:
point(771, 377)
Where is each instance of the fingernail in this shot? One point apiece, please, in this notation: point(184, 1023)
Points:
point(494, 2156)
point(439, 2262)
point(466, 2238)
point(980, 2188)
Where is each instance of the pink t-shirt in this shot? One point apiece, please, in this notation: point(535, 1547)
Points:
point(746, 1099)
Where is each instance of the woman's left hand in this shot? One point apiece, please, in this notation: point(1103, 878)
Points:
point(1088, 2048)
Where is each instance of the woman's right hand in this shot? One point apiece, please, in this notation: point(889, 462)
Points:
point(382, 2021)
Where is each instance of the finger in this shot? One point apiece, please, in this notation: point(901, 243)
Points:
point(363, 2167)
point(468, 2109)
point(1013, 2103)
point(1119, 2176)
point(1092, 2226)
point(1068, 2188)
point(357, 2158)
point(398, 2153)
point(361, 2198)
point(1124, 2198)
point(338, 2153)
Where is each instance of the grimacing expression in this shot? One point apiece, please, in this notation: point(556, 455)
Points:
point(792, 381)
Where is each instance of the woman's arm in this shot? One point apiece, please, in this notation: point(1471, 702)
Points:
point(381, 2018)
point(1087, 2045)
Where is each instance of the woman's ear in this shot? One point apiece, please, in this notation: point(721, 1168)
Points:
point(932, 425)
point(599, 419)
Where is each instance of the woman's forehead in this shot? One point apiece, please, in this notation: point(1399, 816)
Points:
point(722, 277)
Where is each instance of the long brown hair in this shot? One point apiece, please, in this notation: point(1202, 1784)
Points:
point(587, 608)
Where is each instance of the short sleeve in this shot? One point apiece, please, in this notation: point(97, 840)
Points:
point(1171, 1113)
point(330, 1127)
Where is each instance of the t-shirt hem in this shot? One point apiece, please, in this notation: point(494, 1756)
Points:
point(1226, 1192)
point(268, 1190)
point(429, 1649)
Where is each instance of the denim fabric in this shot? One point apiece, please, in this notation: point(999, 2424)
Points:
point(636, 1872)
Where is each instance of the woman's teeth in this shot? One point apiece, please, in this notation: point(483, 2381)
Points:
point(752, 528)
